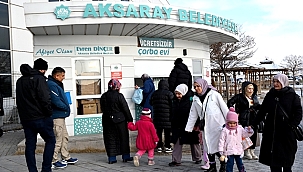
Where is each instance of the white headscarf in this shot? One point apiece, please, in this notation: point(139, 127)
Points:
point(282, 78)
point(182, 88)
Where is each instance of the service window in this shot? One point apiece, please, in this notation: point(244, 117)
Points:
point(88, 86)
point(197, 69)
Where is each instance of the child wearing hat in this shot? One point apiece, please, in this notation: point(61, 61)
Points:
point(230, 144)
point(147, 138)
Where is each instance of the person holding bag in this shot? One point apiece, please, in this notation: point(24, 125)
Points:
point(279, 144)
point(116, 115)
point(209, 105)
point(247, 106)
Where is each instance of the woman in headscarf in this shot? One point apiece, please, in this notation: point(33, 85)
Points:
point(180, 112)
point(247, 106)
point(116, 115)
point(209, 105)
point(279, 145)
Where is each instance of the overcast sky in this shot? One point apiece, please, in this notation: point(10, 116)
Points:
point(276, 25)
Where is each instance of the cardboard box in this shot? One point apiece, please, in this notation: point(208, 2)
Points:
point(89, 108)
point(98, 105)
point(88, 101)
point(89, 87)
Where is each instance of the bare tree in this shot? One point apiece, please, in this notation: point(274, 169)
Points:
point(294, 64)
point(228, 55)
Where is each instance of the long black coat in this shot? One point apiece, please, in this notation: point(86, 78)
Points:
point(246, 115)
point(279, 146)
point(1, 105)
point(115, 135)
point(181, 109)
point(161, 100)
point(179, 75)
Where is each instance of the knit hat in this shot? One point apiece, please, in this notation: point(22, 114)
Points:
point(146, 111)
point(40, 64)
point(178, 61)
point(182, 88)
point(232, 116)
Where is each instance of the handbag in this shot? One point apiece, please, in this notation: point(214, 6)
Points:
point(117, 117)
point(298, 130)
point(246, 143)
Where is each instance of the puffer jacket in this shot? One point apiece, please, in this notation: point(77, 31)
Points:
point(279, 145)
point(60, 103)
point(179, 75)
point(161, 100)
point(246, 114)
point(32, 95)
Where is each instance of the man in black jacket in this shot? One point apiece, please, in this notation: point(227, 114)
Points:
point(179, 75)
point(34, 107)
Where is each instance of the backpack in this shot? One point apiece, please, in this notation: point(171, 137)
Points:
point(137, 96)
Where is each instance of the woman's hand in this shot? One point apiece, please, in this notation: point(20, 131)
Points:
point(136, 87)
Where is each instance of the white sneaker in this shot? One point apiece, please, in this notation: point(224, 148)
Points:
point(253, 155)
point(168, 150)
point(205, 166)
point(247, 154)
point(159, 150)
point(136, 161)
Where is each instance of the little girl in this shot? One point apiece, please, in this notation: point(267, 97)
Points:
point(230, 141)
point(147, 138)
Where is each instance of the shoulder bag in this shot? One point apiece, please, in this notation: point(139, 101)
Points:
point(298, 130)
point(202, 121)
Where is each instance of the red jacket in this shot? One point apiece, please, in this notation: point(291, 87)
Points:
point(147, 136)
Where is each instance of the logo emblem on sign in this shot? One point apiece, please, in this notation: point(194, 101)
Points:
point(62, 12)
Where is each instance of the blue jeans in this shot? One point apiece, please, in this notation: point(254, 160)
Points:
point(230, 163)
point(31, 129)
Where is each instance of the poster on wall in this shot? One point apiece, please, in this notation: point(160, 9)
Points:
point(116, 71)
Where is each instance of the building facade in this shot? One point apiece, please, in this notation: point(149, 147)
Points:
point(95, 41)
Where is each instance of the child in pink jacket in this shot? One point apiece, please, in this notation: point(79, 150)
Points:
point(147, 137)
point(230, 144)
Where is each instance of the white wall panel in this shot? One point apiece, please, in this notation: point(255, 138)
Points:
point(22, 40)
point(19, 58)
point(17, 16)
point(19, 2)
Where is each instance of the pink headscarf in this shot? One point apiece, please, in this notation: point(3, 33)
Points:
point(204, 85)
point(282, 78)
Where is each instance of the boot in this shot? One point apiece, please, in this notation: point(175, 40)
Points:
point(205, 166)
point(222, 167)
point(253, 155)
point(247, 154)
point(212, 168)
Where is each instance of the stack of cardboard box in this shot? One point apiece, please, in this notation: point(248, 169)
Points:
point(90, 106)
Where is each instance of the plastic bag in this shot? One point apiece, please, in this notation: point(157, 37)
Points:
point(246, 143)
point(137, 96)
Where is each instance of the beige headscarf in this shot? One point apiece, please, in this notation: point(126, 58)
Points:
point(282, 78)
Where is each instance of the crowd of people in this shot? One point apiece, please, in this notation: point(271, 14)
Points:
point(199, 118)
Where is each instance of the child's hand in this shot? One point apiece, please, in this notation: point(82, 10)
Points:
point(156, 143)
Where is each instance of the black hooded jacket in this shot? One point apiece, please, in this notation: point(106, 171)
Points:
point(179, 75)
point(246, 114)
point(161, 100)
point(32, 95)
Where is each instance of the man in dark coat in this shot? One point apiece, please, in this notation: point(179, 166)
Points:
point(34, 107)
point(161, 100)
point(115, 133)
point(279, 145)
point(179, 75)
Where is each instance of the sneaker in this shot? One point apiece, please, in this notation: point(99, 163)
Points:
point(58, 164)
point(151, 162)
point(159, 150)
point(174, 164)
point(63, 161)
point(71, 160)
point(136, 161)
point(168, 150)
